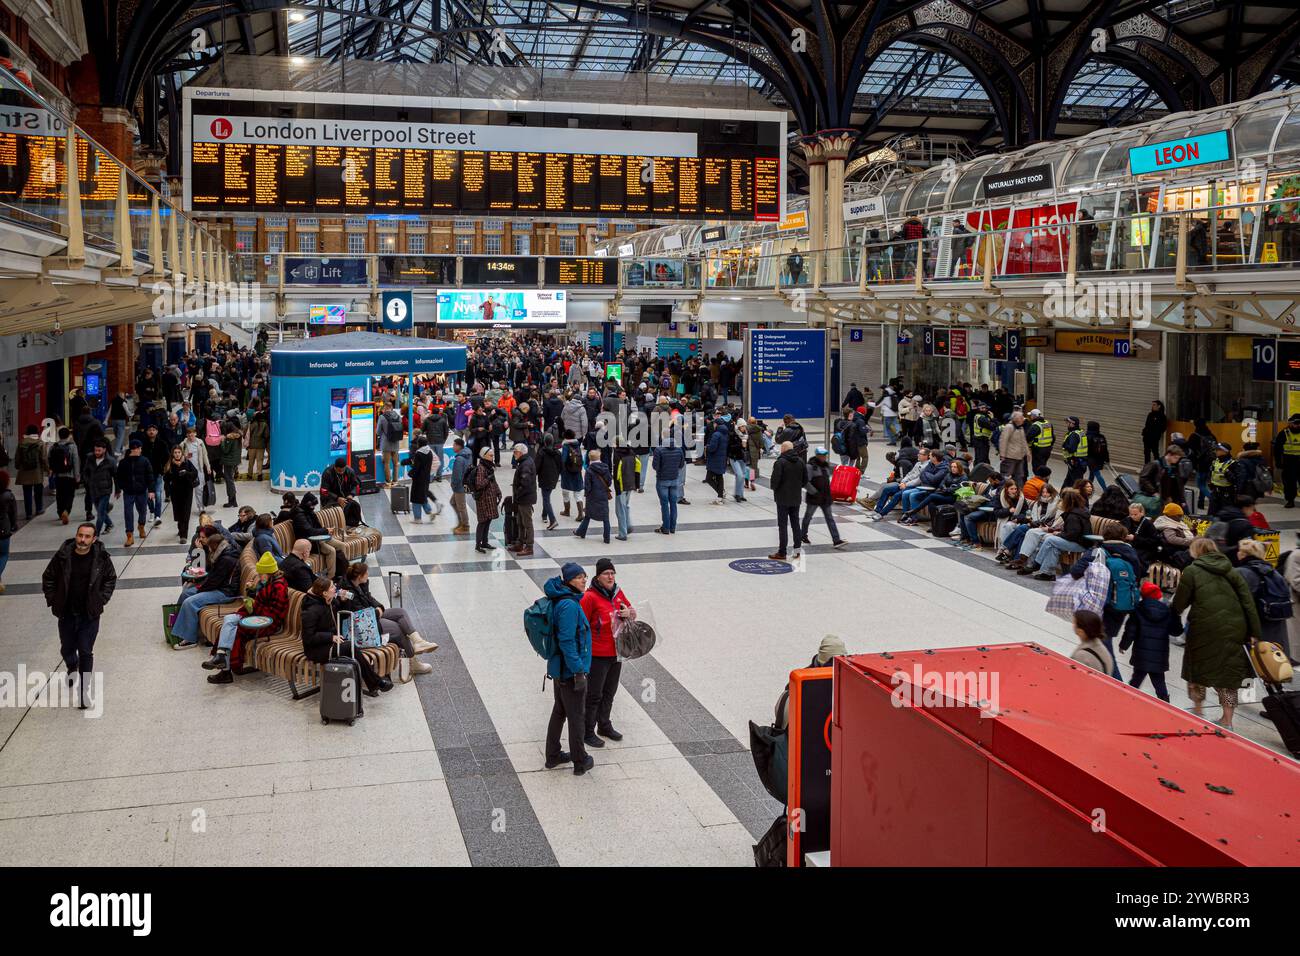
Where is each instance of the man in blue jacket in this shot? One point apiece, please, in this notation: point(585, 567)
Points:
point(568, 669)
point(462, 462)
point(715, 459)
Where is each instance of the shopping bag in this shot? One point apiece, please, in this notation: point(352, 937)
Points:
point(634, 636)
point(209, 492)
point(169, 612)
point(365, 628)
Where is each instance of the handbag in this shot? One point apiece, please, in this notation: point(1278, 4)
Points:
point(209, 492)
point(1086, 593)
point(169, 612)
point(365, 628)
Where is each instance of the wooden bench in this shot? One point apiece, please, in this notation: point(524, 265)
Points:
point(283, 656)
point(355, 544)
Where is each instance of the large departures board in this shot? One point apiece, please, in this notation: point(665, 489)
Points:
point(254, 151)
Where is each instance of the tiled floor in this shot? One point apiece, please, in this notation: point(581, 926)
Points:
point(449, 770)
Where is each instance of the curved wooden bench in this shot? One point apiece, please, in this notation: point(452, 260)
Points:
point(283, 656)
point(1101, 526)
point(356, 544)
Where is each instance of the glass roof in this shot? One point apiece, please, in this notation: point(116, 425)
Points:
point(905, 69)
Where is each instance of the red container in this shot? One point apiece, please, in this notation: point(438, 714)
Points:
point(1063, 766)
point(844, 483)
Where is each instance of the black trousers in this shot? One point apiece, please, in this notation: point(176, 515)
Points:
point(787, 522)
point(181, 508)
point(1290, 476)
point(77, 635)
point(1038, 457)
point(481, 534)
point(981, 451)
point(602, 685)
point(229, 472)
point(65, 491)
point(570, 707)
point(714, 480)
point(1151, 447)
point(1076, 468)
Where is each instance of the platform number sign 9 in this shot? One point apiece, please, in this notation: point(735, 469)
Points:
point(1263, 360)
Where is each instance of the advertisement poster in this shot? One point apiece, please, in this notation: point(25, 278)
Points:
point(501, 309)
point(1039, 240)
point(788, 373)
point(682, 348)
point(327, 315)
point(658, 274)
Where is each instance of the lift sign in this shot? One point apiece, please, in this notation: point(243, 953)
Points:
point(1177, 153)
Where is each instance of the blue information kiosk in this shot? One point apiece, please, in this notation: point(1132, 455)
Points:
point(314, 383)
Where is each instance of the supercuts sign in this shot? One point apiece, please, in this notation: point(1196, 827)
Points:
point(1032, 179)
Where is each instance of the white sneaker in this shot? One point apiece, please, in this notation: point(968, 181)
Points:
point(157, 522)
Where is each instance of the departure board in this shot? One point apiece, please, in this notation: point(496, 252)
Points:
point(355, 154)
point(581, 270)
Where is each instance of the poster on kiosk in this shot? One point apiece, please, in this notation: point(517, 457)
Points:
point(361, 444)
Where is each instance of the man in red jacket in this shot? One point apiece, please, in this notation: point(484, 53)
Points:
point(601, 603)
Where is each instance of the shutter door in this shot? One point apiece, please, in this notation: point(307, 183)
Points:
point(862, 361)
point(1117, 393)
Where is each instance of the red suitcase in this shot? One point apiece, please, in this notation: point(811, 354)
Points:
point(844, 483)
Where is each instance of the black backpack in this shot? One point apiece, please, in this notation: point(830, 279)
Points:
point(572, 460)
point(1272, 596)
point(60, 460)
point(1099, 448)
point(29, 456)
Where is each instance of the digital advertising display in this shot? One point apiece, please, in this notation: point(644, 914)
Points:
point(502, 308)
point(289, 151)
point(327, 315)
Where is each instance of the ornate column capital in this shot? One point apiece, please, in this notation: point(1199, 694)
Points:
point(828, 144)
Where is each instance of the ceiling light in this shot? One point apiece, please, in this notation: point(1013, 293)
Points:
point(297, 61)
point(297, 16)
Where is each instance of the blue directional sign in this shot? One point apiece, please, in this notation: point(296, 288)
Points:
point(397, 309)
point(787, 370)
point(1014, 352)
point(1263, 360)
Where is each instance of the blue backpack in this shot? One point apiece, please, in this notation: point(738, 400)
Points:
point(1123, 584)
point(539, 625)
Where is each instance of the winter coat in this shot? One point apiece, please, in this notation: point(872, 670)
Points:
point(1115, 549)
point(74, 459)
point(1112, 504)
point(570, 480)
point(1239, 528)
point(462, 464)
point(669, 460)
point(134, 475)
point(180, 481)
point(715, 452)
point(1147, 631)
point(548, 468)
point(754, 446)
point(36, 475)
point(1153, 429)
point(1254, 572)
point(574, 418)
point(421, 470)
point(1290, 570)
point(572, 632)
point(623, 467)
point(523, 487)
point(487, 494)
point(789, 474)
point(599, 609)
point(596, 486)
point(58, 575)
point(1222, 618)
point(318, 628)
point(98, 475)
point(819, 476)
point(436, 428)
point(389, 429)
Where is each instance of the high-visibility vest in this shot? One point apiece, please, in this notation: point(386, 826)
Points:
point(1219, 472)
point(1045, 436)
point(1080, 450)
point(1290, 442)
point(983, 427)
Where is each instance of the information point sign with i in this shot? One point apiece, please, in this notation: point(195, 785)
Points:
point(397, 310)
point(787, 372)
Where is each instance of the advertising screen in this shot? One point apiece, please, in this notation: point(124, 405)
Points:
point(501, 308)
point(357, 153)
point(327, 314)
point(658, 274)
point(363, 428)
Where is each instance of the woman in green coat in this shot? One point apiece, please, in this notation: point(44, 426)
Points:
point(1222, 619)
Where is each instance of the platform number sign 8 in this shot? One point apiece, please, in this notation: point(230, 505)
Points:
point(927, 342)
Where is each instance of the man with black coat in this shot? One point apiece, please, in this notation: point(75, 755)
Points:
point(789, 475)
point(523, 490)
point(98, 476)
point(436, 427)
point(78, 583)
point(339, 488)
point(551, 409)
point(296, 567)
point(155, 447)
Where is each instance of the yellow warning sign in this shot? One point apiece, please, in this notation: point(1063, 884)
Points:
point(1272, 542)
point(1270, 252)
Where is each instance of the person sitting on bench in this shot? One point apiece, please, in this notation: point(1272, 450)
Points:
point(339, 487)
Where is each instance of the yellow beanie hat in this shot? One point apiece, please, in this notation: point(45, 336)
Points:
point(266, 564)
point(1173, 511)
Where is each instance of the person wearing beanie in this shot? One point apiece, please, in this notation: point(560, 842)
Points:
point(568, 668)
point(831, 647)
point(1148, 631)
point(270, 598)
point(604, 605)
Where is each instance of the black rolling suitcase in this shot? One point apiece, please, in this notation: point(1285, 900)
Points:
point(1283, 708)
point(943, 520)
point(510, 526)
point(400, 499)
point(1129, 485)
point(340, 684)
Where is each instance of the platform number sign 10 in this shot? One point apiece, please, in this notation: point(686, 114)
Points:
point(1123, 347)
point(1263, 360)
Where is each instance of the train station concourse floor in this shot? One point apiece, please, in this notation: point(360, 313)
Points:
point(168, 769)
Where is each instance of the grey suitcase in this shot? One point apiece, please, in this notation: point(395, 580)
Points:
point(340, 684)
point(401, 499)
